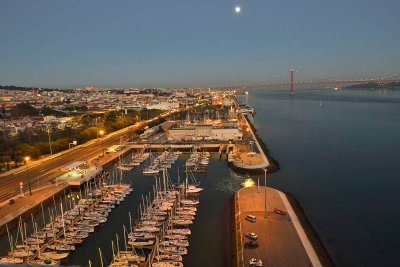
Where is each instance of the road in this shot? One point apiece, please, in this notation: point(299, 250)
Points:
point(48, 170)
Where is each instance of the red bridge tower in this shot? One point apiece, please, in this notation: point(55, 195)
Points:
point(291, 82)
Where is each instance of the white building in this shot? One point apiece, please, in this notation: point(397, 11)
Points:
point(205, 132)
point(50, 119)
point(181, 94)
point(164, 106)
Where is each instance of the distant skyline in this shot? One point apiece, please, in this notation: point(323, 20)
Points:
point(69, 44)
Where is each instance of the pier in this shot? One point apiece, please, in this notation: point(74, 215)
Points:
point(282, 239)
point(31, 204)
point(245, 158)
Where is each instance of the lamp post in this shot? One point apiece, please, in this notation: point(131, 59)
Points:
point(27, 173)
point(265, 183)
point(101, 132)
point(21, 187)
point(48, 133)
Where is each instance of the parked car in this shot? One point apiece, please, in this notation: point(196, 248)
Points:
point(280, 212)
point(255, 262)
point(251, 236)
point(251, 244)
point(251, 218)
point(12, 201)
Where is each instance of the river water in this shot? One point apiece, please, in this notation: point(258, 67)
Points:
point(210, 232)
point(339, 153)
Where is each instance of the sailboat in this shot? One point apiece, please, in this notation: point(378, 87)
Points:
point(53, 255)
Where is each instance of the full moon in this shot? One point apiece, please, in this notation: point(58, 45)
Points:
point(237, 9)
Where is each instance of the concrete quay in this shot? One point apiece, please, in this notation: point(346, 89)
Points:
point(30, 204)
point(282, 239)
point(185, 147)
point(251, 162)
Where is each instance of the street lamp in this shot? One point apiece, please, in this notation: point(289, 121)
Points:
point(27, 173)
point(101, 132)
point(265, 183)
point(48, 133)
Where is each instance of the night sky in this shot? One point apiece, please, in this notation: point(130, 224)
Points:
point(70, 44)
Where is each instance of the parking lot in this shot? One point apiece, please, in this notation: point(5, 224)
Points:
point(279, 243)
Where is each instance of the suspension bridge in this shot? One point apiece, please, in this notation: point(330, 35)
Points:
point(311, 79)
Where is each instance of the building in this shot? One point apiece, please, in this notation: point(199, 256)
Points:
point(149, 132)
point(205, 132)
point(181, 94)
point(226, 102)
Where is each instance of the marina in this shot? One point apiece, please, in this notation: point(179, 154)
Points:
point(160, 235)
point(156, 225)
point(58, 237)
point(214, 189)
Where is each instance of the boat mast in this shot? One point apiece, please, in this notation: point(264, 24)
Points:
point(101, 258)
point(9, 239)
point(44, 222)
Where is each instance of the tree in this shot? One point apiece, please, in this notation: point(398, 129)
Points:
point(91, 132)
point(112, 116)
point(23, 109)
point(60, 144)
point(46, 111)
point(43, 147)
point(25, 149)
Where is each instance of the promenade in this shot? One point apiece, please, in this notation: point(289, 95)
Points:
point(10, 213)
point(281, 238)
point(244, 159)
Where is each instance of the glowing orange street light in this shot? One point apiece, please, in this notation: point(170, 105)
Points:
point(27, 158)
point(101, 132)
point(248, 183)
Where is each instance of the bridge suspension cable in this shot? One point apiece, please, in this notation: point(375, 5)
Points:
point(268, 79)
point(389, 77)
point(327, 80)
point(314, 76)
point(248, 84)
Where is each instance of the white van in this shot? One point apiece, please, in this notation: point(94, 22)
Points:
point(251, 218)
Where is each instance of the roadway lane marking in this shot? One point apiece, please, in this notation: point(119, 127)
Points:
point(55, 156)
point(20, 171)
point(25, 168)
point(89, 144)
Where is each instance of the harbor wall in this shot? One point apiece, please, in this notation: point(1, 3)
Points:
point(312, 235)
point(32, 208)
point(273, 164)
point(236, 257)
point(183, 148)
